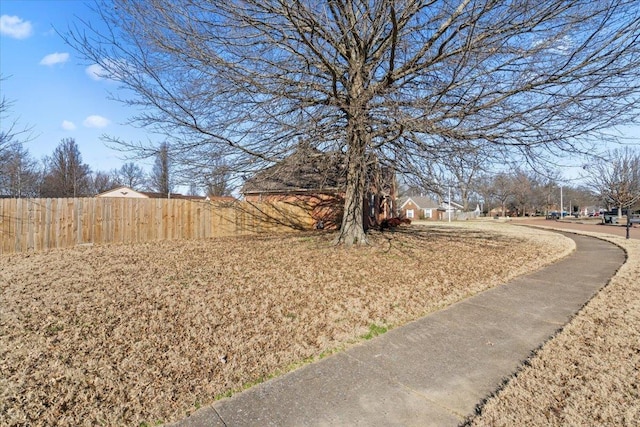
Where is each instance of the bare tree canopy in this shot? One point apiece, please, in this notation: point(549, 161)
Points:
point(102, 181)
point(65, 174)
point(160, 178)
point(216, 180)
point(616, 178)
point(20, 173)
point(131, 175)
point(400, 81)
point(10, 132)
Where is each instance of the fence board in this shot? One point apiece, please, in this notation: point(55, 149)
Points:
point(42, 224)
point(18, 226)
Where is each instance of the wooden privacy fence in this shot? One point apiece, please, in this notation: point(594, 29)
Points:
point(40, 224)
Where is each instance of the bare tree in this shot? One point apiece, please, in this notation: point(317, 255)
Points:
point(102, 181)
point(217, 181)
point(545, 192)
point(466, 168)
point(617, 178)
point(400, 82)
point(7, 135)
point(131, 175)
point(523, 188)
point(460, 170)
point(160, 178)
point(65, 174)
point(483, 185)
point(19, 172)
point(502, 190)
point(578, 197)
point(10, 132)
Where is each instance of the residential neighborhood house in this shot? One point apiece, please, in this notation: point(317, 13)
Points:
point(451, 210)
point(417, 207)
point(130, 193)
point(317, 180)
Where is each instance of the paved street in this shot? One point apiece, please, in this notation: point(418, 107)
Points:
point(588, 225)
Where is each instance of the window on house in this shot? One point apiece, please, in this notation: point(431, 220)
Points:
point(410, 213)
point(427, 213)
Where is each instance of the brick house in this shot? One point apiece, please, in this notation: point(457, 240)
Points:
point(418, 207)
point(316, 180)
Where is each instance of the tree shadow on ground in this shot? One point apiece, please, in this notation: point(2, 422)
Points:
point(426, 236)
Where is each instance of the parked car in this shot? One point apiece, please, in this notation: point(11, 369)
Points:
point(610, 217)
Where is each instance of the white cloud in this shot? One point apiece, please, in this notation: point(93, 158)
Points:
point(556, 46)
point(96, 122)
point(15, 27)
point(67, 125)
point(110, 69)
point(96, 72)
point(54, 58)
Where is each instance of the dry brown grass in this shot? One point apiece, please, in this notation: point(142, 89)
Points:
point(589, 374)
point(123, 335)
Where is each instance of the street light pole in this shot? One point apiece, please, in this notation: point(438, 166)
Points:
point(561, 204)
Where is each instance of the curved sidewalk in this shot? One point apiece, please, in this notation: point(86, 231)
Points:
point(434, 371)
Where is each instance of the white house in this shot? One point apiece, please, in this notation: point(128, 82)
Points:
point(130, 193)
point(449, 209)
point(123, 191)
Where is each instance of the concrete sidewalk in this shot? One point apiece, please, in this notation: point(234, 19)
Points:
point(434, 371)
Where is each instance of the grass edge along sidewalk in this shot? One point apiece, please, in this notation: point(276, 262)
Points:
point(588, 374)
point(434, 370)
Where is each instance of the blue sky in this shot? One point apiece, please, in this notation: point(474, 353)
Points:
point(52, 88)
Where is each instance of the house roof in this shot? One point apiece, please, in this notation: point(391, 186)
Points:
point(128, 192)
point(222, 199)
point(306, 170)
point(153, 195)
point(420, 201)
point(446, 203)
point(123, 191)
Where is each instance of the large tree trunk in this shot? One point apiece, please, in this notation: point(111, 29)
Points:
point(358, 141)
point(352, 229)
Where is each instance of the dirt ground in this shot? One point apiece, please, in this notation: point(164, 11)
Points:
point(146, 333)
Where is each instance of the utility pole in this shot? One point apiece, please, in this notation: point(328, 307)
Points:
point(449, 209)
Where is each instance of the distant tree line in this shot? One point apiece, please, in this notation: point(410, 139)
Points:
point(64, 174)
point(613, 181)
